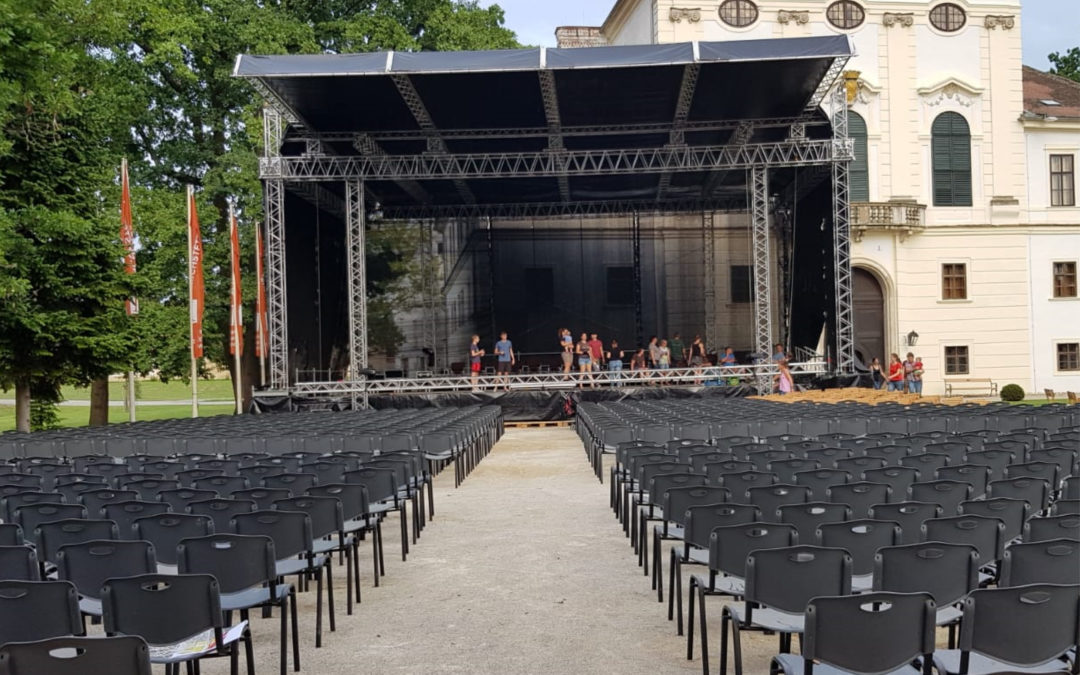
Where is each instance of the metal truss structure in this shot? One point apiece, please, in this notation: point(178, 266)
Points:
point(708, 252)
point(845, 319)
point(758, 188)
point(545, 163)
point(758, 373)
point(318, 164)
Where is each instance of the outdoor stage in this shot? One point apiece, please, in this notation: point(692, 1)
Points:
point(746, 134)
point(534, 396)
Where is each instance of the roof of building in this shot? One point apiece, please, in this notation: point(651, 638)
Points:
point(1049, 95)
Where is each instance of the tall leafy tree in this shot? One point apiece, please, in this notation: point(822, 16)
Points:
point(1066, 64)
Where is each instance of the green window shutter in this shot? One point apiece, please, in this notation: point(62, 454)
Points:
point(859, 169)
point(950, 150)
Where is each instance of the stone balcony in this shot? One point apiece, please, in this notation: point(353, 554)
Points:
point(903, 216)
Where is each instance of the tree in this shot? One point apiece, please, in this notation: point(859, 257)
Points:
point(62, 282)
point(1067, 64)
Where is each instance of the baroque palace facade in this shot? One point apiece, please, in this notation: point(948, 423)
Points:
point(964, 210)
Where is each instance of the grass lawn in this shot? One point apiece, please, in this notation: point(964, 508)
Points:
point(77, 416)
point(156, 390)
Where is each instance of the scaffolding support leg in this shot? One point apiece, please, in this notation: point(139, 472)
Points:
point(635, 237)
point(708, 248)
point(758, 182)
point(357, 286)
point(845, 320)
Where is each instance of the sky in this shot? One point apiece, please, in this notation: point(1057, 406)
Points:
point(1048, 25)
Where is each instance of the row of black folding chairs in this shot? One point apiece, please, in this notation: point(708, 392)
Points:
point(445, 430)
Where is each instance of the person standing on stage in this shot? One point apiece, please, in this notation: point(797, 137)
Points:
point(596, 353)
point(504, 352)
point(615, 357)
point(654, 352)
point(566, 347)
point(779, 354)
point(678, 352)
point(728, 359)
point(475, 356)
point(584, 358)
point(876, 376)
point(913, 374)
point(638, 364)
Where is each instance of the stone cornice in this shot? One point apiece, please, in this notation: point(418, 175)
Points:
point(1005, 21)
point(796, 16)
point(691, 14)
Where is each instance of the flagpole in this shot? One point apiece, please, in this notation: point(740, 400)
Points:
point(234, 334)
point(191, 332)
point(129, 253)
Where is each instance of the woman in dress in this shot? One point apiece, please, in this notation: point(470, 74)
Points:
point(784, 383)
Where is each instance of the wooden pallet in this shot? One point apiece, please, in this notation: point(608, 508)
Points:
point(537, 424)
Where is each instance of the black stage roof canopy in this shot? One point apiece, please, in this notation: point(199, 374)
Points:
point(576, 102)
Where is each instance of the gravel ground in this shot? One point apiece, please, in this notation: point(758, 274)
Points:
point(523, 570)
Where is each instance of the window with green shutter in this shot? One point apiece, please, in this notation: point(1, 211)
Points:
point(859, 169)
point(951, 157)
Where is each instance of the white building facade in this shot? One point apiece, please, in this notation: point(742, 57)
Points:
point(965, 222)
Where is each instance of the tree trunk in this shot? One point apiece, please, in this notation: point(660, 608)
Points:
point(22, 404)
point(99, 402)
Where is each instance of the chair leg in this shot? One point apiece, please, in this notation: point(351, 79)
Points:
point(330, 593)
point(725, 619)
point(249, 649)
point(283, 642)
point(356, 566)
point(404, 533)
point(295, 630)
point(703, 626)
point(690, 621)
point(431, 498)
point(658, 568)
point(382, 562)
point(318, 609)
point(348, 577)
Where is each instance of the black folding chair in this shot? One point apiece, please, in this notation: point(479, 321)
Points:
point(76, 656)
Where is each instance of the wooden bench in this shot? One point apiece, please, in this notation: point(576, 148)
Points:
point(971, 386)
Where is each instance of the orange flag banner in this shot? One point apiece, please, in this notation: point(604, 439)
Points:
point(262, 342)
point(236, 320)
point(127, 233)
point(195, 280)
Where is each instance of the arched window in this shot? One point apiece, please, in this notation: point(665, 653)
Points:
point(950, 150)
point(859, 169)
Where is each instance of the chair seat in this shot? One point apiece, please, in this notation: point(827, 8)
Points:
point(949, 615)
point(91, 606)
point(770, 619)
point(328, 545)
point(699, 556)
point(793, 664)
point(948, 661)
point(195, 646)
point(284, 568)
point(862, 583)
point(673, 531)
point(252, 597)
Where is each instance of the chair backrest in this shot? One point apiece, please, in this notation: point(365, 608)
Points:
point(859, 496)
point(126, 655)
point(149, 488)
point(11, 535)
point(380, 483)
point(290, 530)
point(325, 513)
point(1048, 471)
point(1034, 491)
point(947, 572)
point(910, 516)
point(19, 563)
point(861, 538)
point(1052, 527)
point(857, 464)
point(124, 514)
point(36, 610)
point(808, 516)
point(95, 500)
point(162, 608)
point(237, 561)
point(786, 469)
point(20, 497)
point(1065, 507)
point(987, 535)
point(742, 481)
point(222, 484)
point(700, 521)
point(1021, 625)
point(975, 474)
point(88, 564)
point(677, 500)
point(1013, 512)
point(925, 462)
point(221, 511)
point(264, 498)
point(820, 480)
point(51, 536)
point(1056, 561)
point(787, 578)
point(898, 478)
point(1071, 489)
point(869, 633)
point(353, 498)
point(29, 517)
point(946, 493)
point(729, 545)
point(769, 498)
point(179, 500)
point(166, 530)
point(996, 460)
